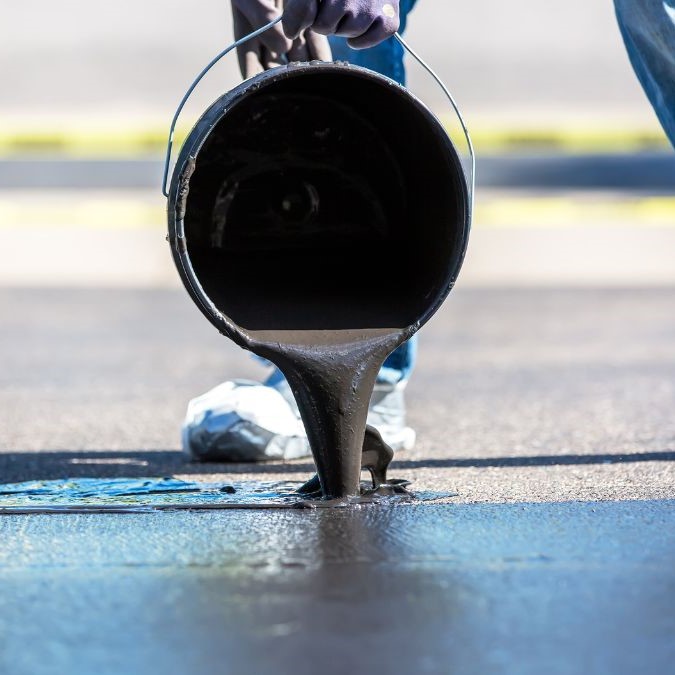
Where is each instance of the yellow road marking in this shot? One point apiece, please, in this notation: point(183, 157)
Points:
point(572, 140)
point(151, 140)
point(541, 212)
point(103, 213)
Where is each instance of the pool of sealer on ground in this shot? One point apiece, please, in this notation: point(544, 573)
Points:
point(318, 216)
point(139, 495)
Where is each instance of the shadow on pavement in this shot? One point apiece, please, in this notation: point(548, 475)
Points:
point(49, 464)
point(537, 460)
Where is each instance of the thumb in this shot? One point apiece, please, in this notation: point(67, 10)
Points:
point(259, 13)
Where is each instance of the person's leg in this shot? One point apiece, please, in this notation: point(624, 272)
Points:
point(386, 59)
point(648, 30)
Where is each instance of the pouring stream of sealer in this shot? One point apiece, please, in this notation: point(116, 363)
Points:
point(318, 216)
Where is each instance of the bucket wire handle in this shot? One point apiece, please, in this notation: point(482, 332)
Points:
point(455, 107)
point(198, 79)
point(262, 29)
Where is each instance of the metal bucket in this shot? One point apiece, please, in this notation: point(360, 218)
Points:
point(318, 196)
point(318, 215)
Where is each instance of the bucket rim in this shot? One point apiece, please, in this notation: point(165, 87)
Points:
point(218, 110)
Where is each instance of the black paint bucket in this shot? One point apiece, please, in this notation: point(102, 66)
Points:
point(318, 215)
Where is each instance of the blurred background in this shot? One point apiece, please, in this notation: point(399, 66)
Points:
point(571, 157)
point(528, 63)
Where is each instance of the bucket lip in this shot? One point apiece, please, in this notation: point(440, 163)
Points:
point(222, 106)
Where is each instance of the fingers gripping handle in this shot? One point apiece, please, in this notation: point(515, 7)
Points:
point(197, 80)
point(262, 29)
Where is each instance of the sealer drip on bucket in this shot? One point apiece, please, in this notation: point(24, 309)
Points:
point(318, 216)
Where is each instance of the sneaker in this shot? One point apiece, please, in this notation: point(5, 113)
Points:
point(246, 421)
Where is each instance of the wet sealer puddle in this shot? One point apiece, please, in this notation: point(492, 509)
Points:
point(138, 495)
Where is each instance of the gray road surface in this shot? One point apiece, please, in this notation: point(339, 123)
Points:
point(550, 413)
point(651, 172)
point(531, 395)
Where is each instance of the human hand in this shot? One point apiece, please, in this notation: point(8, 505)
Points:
point(365, 22)
point(272, 48)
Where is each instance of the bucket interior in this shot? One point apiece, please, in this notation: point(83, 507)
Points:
point(325, 200)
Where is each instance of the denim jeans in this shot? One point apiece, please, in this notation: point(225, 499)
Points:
point(387, 59)
point(648, 29)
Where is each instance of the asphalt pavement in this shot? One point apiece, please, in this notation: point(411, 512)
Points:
point(652, 172)
point(548, 413)
point(519, 396)
point(543, 402)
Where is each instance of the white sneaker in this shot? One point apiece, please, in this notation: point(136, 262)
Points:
point(245, 421)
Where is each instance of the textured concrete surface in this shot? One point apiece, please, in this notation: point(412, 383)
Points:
point(520, 395)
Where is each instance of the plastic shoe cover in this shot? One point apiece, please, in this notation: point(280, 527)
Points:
point(242, 421)
point(386, 413)
point(245, 421)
